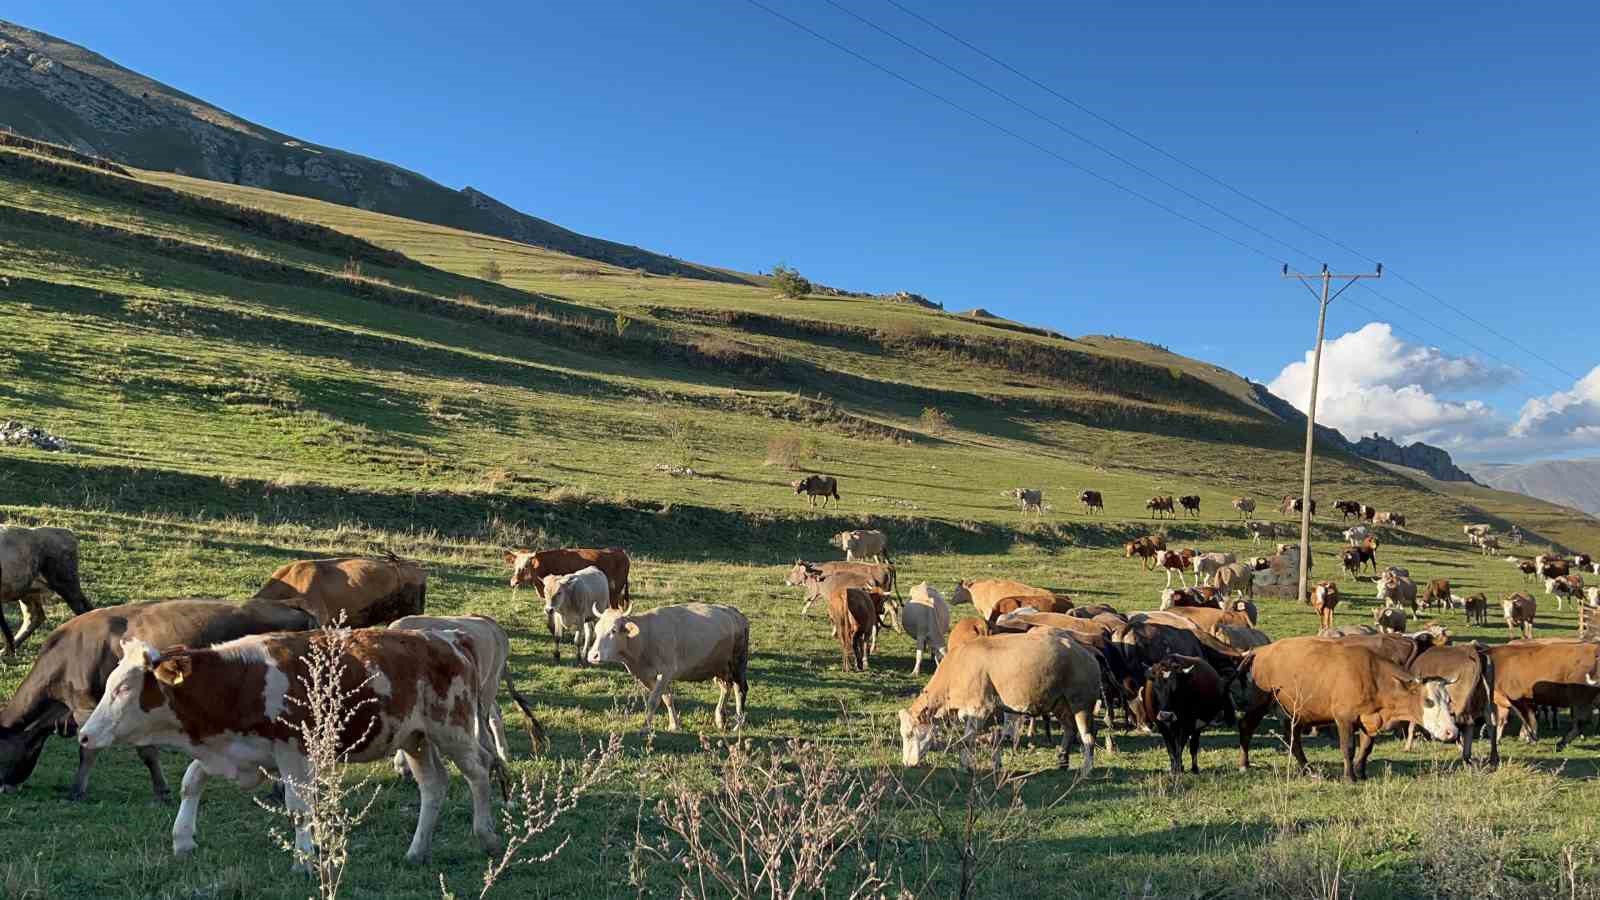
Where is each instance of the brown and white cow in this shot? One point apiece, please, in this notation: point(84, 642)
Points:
point(1519, 610)
point(1438, 594)
point(242, 707)
point(1318, 681)
point(1160, 506)
point(35, 563)
point(1324, 599)
point(1175, 561)
point(529, 568)
point(351, 591)
point(66, 681)
point(814, 486)
point(684, 642)
point(1244, 506)
point(1564, 587)
point(1391, 519)
point(1471, 694)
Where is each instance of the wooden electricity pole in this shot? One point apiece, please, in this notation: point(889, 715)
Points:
point(1324, 299)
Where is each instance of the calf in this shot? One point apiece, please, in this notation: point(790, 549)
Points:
point(1477, 609)
point(1390, 619)
point(1159, 507)
point(984, 593)
point(1316, 682)
point(1292, 505)
point(1190, 504)
point(1175, 561)
point(1034, 674)
point(1182, 695)
point(1092, 501)
point(1520, 610)
point(685, 642)
point(244, 706)
point(926, 620)
point(1324, 599)
point(1438, 594)
point(854, 613)
point(1037, 603)
point(1244, 506)
point(814, 486)
point(574, 603)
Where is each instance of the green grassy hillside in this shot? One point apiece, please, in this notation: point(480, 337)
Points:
point(268, 378)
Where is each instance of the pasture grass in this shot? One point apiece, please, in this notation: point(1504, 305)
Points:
point(225, 422)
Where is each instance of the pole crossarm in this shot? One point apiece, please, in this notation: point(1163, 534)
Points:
point(1323, 299)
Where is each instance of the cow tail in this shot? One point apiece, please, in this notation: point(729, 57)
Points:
point(1240, 671)
point(536, 734)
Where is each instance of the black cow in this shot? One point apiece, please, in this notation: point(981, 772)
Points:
point(1190, 504)
point(1182, 695)
point(1348, 509)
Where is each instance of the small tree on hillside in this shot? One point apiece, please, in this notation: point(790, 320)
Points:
point(490, 271)
point(789, 282)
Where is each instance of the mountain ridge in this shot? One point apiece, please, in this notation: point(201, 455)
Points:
point(1569, 482)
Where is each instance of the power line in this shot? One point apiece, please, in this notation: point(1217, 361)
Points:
point(1101, 177)
point(1086, 110)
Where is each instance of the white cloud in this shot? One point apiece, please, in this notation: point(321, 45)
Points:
point(1571, 416)
point(1374, 381)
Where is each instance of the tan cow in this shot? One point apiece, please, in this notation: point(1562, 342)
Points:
point(687, 642)
point(1237, 578)
point(240, 707)
point(1033, 674)
point(34, 563)
point(984, 593)
point(1530, 674)
point(965, 630)
point(531, 567)
point(355, 591)
point(873, 545)
point(1317, 682)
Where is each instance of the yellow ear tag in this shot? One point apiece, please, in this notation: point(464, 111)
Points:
point(177, 679)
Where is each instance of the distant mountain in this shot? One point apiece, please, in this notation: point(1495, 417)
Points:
point(1569, 482)
point(1428, 458)
point(57, 91)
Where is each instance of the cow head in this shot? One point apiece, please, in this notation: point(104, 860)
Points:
point(1168, 598)
point(1164, 682)
point(19, 753)
point(1433, 694)
point(615, 636)
point(917, 737)
point(523, 565)
point(137, 697)
point(801, 573)
point(961, 594)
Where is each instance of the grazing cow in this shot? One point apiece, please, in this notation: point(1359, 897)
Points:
point(493, 650)
point(1348, 509)
point(926, 620)
point(1175, 561)
point(1477, 609)
point(1563, 588)
point(1054, 604)
point(1354, 536)
point(1034, 674)
point(1236, 577)
point(574, 603)
point(1260, 531)
point(965, 630)
point(1159, 507)
point(352, 591)
point(1182, 695)
point(683, 642)
point(1206, 565)
point(529, 567)
point(1324, 599)
point(1489, 544)
point(1145, 548)
point(69, 676)
point(1190, 504)
point(1292, 505)
point(1092, 501)
point(1390, 619)
point(1244, 506)
point(1527, 567)
point(1189, 598)
point(1029, 500)
point(1471, 695)
point(1316, 682)
point(856, 545)
point(984, 593)
point(35, 562)
point(1397, 590)
point(1391, 519)
point(1519, 610)
point(1438, 594)
point(854, 613)
point(810, 576)
point(242, 707)
point(1530, 674)
point(814, 486)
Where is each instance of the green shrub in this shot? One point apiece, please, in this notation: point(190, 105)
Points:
point(789, 282)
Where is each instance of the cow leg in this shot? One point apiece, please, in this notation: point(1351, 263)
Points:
point(672, 709)
point(1194, 748)
point(1363, 752)
point(653, 701)
point(1084, 720)
point(432, 783)
point(555, 638)
point(1411, 735)
point(497, 731)
point(916, 667)
point(1347, 747)
point(722, 698)
point(1580, 718)
point(151, 757)
point(194, 778)
point(80, 781)
point(1465, 740)
point(475, 763)
point(1248, 723)
point(32, 615)
point(1297, 745)
point(1529, 717)
point(1494, 737)
point(1169, 737)
point(294, 773)
point(5, 630)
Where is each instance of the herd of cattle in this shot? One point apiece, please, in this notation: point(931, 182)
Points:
point(225, 683)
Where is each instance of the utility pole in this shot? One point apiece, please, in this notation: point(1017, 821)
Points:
point(1323, 299)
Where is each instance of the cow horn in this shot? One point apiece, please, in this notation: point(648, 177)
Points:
point(596, 610)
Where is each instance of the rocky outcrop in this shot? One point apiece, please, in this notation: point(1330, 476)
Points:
point(56, 91)
point(1428, 458)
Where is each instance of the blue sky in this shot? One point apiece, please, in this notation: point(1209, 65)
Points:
point(1455, 142)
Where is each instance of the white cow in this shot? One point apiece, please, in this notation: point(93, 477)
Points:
point(926, 620)
point(573, 603)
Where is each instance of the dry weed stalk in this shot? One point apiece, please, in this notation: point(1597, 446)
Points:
point(778, 824)
point(322, 805)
